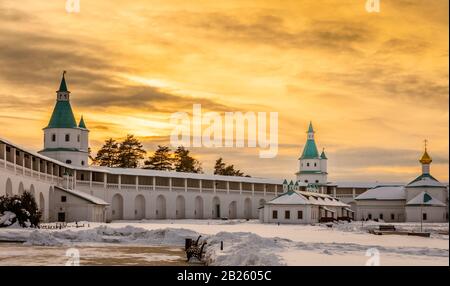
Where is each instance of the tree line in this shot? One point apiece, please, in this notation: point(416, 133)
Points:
point(129, 153)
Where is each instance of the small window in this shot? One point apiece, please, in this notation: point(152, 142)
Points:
point(78, 138)
point(392, 217)
point(274, 214)
point(307, 164)
point(306, 181)
point(370, 216)
point(63, 199)
point(300, 214)
point(67, 137)
point(424, 216)
point(317, 181)
point(68, 161)
point(381, 216)
point(82, 163)
point(53, 137)
point(287, 214)
point(315, 164)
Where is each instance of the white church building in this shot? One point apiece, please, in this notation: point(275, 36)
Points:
point(423, 199)
point(67, 188)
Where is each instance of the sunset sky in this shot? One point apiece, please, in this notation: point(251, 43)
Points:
point(375, 85)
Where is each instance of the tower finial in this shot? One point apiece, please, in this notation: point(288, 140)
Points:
point(310, 128)
point(425, 143)
point(63, 85)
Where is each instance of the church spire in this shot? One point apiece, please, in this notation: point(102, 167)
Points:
point(62, 94)
point(62, 116)
point(310, 128)
point(82, 124)
point(323, 156)
point(63, 85)
point(310, 150)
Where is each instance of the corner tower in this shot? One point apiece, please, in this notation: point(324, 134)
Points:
point(312, 166)
point(64, 140)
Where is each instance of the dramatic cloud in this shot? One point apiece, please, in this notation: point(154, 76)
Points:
point(375, 85)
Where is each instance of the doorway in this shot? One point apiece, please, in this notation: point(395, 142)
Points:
point(61, 217)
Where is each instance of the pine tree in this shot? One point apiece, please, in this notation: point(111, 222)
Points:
point(24, 208)
point(108, 155)
point(161, 160)
point(185, 163)
point(130, 152)
point(220, 168)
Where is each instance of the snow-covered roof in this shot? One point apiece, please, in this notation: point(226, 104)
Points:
point(289, 198)
point(36, 154)
point(383, 193)
point(173, 174)
point(425, 180)
point(146, 172)
point(425, 199)
point(82, 195)
point(361, 185)
point(306, 198)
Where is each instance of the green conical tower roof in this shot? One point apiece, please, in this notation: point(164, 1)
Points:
point(310, 150)
point(62, 116)
point(63, 85)
point(82, 124)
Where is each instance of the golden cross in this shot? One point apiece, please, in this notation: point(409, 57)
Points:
point(425, 141)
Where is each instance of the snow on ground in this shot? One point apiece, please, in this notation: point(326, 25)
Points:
point(252, 243)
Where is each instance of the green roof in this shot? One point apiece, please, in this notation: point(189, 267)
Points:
point(62, 116)
point(63, 85)
point(421, 177)
point(310, 150)
point(82, 124)
point(310, 128)
point(323, 156)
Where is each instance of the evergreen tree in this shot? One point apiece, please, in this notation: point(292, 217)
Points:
point(220, 168)
point(161, 160)
point(183, 162)
point(24, 208)
point(108, 155)
point(130, 152)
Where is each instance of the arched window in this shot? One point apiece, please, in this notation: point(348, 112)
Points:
point(53, 137)
point(67, 137)
point(315, 164)
point(82, 163)
point(307, 164)
point(78, 138)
